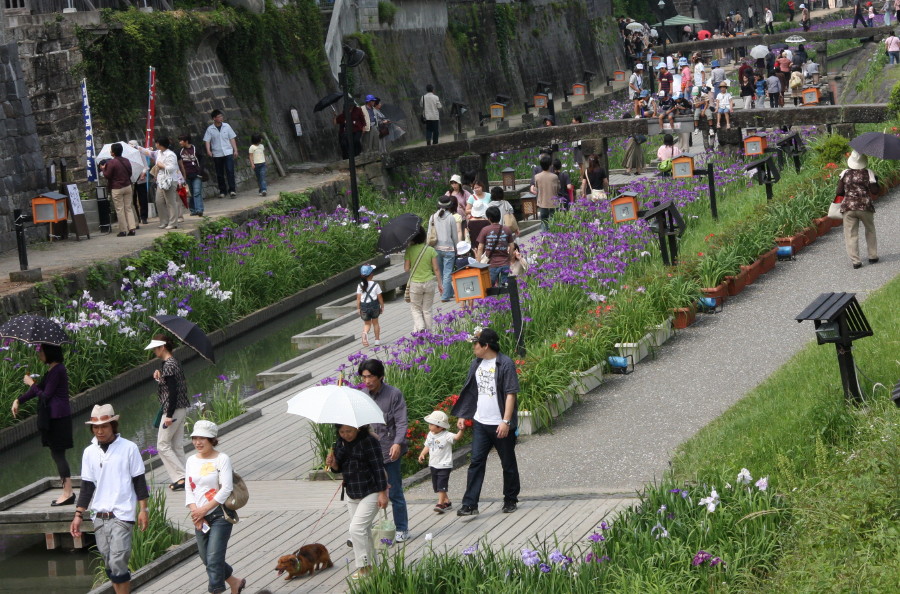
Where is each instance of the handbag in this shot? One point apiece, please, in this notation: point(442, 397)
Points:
point(383, 130)
point(384, 531)
point(237, 499)
point(431, 238)
point(158, 420)
point(834, 209)
point(596, 195)
point(406, 296)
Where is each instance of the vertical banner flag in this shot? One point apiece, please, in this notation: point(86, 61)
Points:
point(151, 109)
point(88, 132)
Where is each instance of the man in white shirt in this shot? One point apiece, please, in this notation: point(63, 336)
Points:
point(635, 85)
point(489, 398)
point(431, 104)
point(112, 483)
point(770, 20)
point(222, 147)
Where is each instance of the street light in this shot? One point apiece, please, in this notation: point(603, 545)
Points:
point(350, 58)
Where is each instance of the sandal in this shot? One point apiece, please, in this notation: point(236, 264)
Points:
point(177, 486)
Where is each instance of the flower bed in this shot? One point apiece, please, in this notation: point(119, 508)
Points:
point(680, 537)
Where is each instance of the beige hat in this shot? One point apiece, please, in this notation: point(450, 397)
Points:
point(155, 343)
point(857, 161)
point(438, 418)
point(102, 414)
point(204, 428)
point(456, 178)
point(479, 209)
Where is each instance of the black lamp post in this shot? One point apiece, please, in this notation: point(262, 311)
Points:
point(350, 58)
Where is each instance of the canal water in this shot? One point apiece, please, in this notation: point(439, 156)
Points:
point(25, 564)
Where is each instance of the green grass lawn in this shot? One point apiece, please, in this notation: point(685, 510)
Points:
point(837, 465)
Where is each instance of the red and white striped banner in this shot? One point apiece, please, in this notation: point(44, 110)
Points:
point(151, 110)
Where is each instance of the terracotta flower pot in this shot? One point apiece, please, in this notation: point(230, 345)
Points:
point(767, 260)
point(719, 292)
point(684, 317)
point(749, 277)
point(736, 284)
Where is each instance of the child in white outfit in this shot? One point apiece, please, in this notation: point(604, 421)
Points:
point(439, 449)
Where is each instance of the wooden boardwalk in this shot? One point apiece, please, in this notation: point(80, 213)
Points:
point(281, 515)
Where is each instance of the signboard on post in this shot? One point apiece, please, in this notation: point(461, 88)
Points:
point(77, 210)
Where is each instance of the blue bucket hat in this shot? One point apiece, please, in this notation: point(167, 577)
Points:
point(645, 93)
point(371, 98)
point(715, 63)
point(682, 61)
point(366, 270)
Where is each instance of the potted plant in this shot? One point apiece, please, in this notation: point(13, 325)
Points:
point(683, 292)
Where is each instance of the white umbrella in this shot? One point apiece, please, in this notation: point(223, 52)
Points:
point(336, 404)
point(138, 163)
point(795, 39)
point(634, 26)
point(759, 51)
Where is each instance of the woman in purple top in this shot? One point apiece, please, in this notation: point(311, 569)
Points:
point(54, 416)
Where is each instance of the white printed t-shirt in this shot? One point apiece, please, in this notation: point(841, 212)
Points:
point(111, 471)
point(203, 477)
point(440, 449)
point(487, 411)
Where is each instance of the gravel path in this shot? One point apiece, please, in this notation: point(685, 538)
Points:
point(622, 434)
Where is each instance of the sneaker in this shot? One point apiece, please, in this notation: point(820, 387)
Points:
point(264, 193)
point(233, 195)
point(857, 266)
point(131, 233)
point(167, 227)
point(467, 510)
point(162, 226)
point(401, 536)
point(873, 260)
point(360, 573)
point(443, 507)
point(509, 508)
point(377, 342)
point(221, 195)
point(121, 234)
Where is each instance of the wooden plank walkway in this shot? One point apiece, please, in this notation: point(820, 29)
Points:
point(284, 515)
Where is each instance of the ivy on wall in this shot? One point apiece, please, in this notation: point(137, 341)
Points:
point(117, 57)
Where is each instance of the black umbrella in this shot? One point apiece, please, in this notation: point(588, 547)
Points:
point(877, 144)
point(778, 46)
point(396, 234)
point(34, 329)
point(189, 333)
point(327, 100)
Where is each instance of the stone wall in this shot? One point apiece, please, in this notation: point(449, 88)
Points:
point(21, 165)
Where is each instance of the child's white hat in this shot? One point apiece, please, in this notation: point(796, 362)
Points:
point(438, 418)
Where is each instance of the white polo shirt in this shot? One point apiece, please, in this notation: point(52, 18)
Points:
point(111, 471)
point(219, 140)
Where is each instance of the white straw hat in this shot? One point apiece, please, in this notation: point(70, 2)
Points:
point(438, 418)
point(857, 161)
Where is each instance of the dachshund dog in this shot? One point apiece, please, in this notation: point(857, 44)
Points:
point(307, 559)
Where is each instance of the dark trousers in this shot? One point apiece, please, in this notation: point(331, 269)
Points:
point(357, 145)
point(859, 17)
point(484, 437)
point(139, 196)
point(432, 131)
point(769, 28)
point(545, 214)
point(225, 173)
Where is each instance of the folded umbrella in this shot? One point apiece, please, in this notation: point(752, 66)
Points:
point(759, 51)
point(396, 234)
point(877, 144)
point(189, 333)
point(34, 330)
point(340, 405)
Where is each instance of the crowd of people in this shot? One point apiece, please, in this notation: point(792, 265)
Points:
point(172, 177)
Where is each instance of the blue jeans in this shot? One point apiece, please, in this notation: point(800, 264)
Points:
point(212, 546)
point(895, 57)
point(225, 173)
point(545, 214)
point(195, 199)
point(445, 261)
point(499, 275)
point(395, 493)
point(484, 437)
point(260, 170)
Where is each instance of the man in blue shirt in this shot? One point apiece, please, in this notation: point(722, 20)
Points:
point(221, 146)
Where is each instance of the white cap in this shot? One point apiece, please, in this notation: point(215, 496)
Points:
point(155, 343)
point(463, 247)
point(204, 428)
point(639, 67)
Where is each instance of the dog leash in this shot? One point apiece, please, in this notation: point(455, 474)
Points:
point(324, 511)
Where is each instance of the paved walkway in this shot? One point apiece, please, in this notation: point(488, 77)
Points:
point(59, 257)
